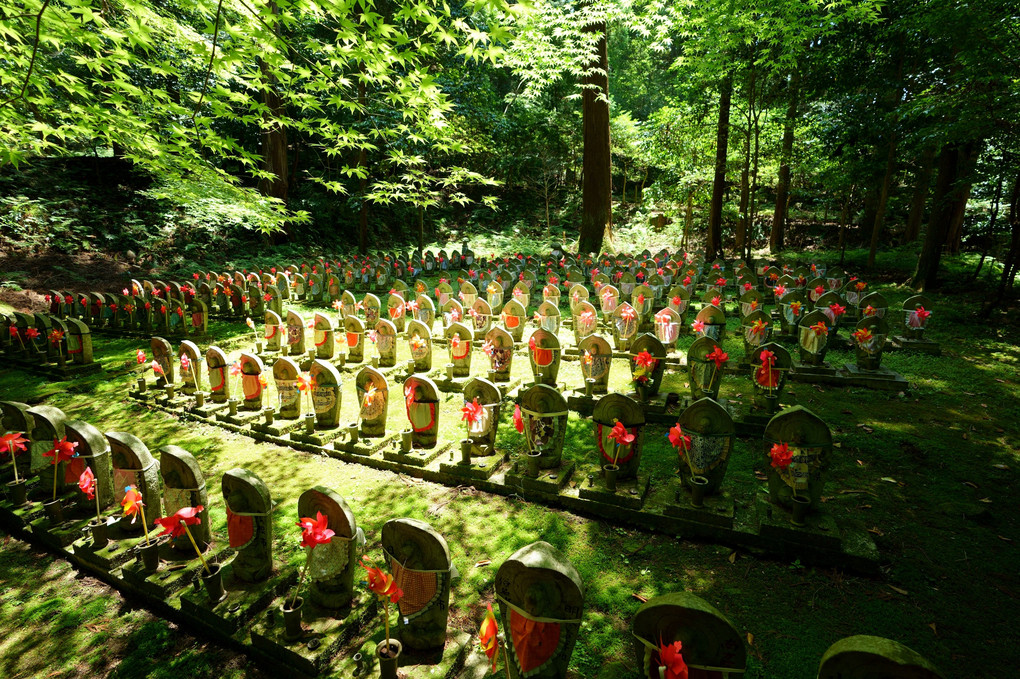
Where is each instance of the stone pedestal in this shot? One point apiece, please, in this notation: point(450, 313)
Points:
point(630, 493)
point(325, 633)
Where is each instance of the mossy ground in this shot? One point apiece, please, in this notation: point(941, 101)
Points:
point(930, 472)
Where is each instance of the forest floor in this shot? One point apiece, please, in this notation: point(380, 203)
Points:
point(931, 473)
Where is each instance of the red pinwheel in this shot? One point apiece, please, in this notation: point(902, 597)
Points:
point(698, 326)
point(87, 483)
point(645, 360)
point(764, 374)
point(13, 444)
point(620, 434)
point(472, 412)
point(781, 456)
point(678, 439)
point(718, 356)
point(315, 531)
point(518, 419)
point(177, 524)
point(156, 367)
point(672, 660)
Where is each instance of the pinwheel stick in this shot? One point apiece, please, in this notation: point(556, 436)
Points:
point(308, 556)
point(712, 381)
point(145, 525)
point(197, 550)
point(506, 659)
point(56, 460)
point(98, 510)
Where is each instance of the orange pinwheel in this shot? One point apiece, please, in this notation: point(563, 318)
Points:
point(369, 395)
point(863, 336)
point(132, 503)
point(820, 328)
point(488, 637)
point(382, 584)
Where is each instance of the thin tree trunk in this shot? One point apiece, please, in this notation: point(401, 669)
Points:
point(745, 170)
point(844, 220)
point(688, 219)
point(776, 241)
point(922, 184)
point(926, 274)
point(1011, 264)
point(883, 201)
point(597, 193)
point(753, 200)
point(623, 193)
point(993, 217)
point(713, 244)
point(961, 196)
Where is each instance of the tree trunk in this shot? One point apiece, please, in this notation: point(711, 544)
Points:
point(688, 219)
point(753, 200)
point(922, 183)
point(883, 201)
point(713, 244)
point(776, 240)
point(961, 195)
point(926, 274)
point(844, 220)
point(597, 194)
point(745, 170)
point(623, 193)
point(1011, 264)
point(274, 138)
